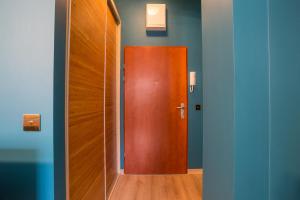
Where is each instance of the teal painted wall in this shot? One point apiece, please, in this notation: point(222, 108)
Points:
point(261, 142)
point(184, 28)
point(218, 101)
point(251, 76)
point(26, 86)
point(59, 99)
point(285, 98)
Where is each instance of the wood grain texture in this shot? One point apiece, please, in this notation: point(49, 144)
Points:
point(155, 134)
point(110, 102)
point(158, 187)
point(86, 100)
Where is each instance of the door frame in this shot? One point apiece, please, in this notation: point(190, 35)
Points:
point(61, 93)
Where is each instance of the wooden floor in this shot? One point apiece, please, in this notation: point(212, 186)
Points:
point(158, 187)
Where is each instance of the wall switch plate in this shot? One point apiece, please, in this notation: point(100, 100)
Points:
point(198, 107)
point(32, 122)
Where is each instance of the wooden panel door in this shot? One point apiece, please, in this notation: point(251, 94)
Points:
point(86, 172)
point(110, 102)
point(155, 88)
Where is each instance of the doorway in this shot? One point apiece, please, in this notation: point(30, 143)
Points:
point(156, 127)
point(93, 119)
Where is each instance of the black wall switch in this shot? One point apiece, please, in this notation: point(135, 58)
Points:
point(198, 107)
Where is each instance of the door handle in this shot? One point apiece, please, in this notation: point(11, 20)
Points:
point(181, 107)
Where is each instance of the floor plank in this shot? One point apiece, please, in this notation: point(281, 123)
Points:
point(158, 187)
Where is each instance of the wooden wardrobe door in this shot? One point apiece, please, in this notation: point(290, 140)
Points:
point(110, 102)
point(86, 172)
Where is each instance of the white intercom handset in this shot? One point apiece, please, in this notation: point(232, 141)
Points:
point(193, 81)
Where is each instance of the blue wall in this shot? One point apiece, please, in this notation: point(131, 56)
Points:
point(26, 86)
point(218, 100)
point(263, 79)
point(59, 99)
point(184, 28)
point(251, 99)
point(285, 98)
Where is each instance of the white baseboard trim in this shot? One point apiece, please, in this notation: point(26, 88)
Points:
point(190, 171)
point(195, 171)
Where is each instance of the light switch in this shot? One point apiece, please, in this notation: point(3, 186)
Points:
point(31, 122)
point(198, 107)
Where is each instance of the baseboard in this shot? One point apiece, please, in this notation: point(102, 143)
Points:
point(195, 171)
point(190, 171)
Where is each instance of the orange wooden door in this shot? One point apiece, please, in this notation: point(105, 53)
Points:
point(155, 128)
